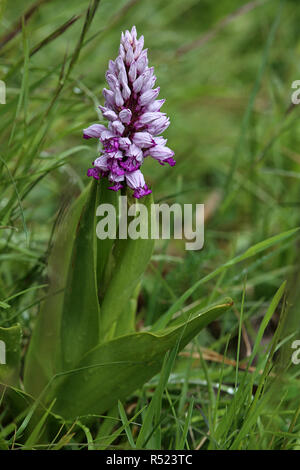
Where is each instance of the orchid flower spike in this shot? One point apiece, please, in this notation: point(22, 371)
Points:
point(134, 120)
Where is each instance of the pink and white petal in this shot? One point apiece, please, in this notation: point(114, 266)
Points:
point(101, 163)
point(135, 179)
point(94, 131)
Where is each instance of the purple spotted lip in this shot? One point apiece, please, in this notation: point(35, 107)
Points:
point(135, 121)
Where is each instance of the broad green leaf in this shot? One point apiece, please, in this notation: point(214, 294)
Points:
point(69, 324)
point(81, 312)
point(104, 247)
point(44, 357)
point(115, 369)
point(127, 319)
point(131, 258)
point(10, 355)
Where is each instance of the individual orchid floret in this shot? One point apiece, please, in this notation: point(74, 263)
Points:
point(95, 131)
point(135, 121)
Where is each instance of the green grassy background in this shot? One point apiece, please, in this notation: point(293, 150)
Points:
point(226, 71)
